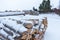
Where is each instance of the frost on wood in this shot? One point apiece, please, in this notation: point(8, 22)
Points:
point(22, 29)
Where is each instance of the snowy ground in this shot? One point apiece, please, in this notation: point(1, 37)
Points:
point(53, 31)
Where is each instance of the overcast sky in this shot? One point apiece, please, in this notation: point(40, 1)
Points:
point(24, 4)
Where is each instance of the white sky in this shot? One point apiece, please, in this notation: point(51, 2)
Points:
point(23, 4)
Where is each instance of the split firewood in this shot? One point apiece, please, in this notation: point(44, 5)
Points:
point(41, 34)
point(35, 21)
point(35, 31)
point(28, 25)
point(24, 36)
point(45, 21)
point(29, 36)
point(29, 30)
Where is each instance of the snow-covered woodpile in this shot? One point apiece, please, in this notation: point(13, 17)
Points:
point(31, 29)
point(30, 12)
point(11, 14)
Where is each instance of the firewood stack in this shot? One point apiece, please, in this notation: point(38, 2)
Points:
point(28, 25)
point(31, 33)
point(45, 23)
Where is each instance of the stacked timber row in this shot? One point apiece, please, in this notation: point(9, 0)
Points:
point(33, 33)
point(34, 30)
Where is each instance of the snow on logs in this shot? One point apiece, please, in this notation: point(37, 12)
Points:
point(35, 21)
point(45, 23)
point(28, 25)
point(24, 29)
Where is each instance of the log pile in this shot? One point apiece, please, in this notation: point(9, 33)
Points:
point(36, 34)
point(30, 34)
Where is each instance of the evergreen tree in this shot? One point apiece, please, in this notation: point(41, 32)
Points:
point(45, 6)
